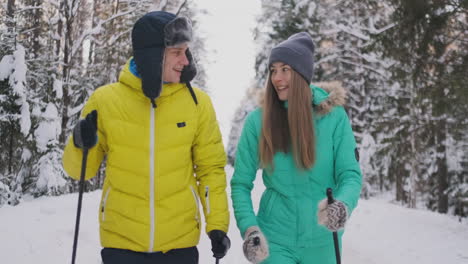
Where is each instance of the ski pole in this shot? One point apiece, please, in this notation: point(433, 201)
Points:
point(80, 199)
point(227, 246)
point(335, 234)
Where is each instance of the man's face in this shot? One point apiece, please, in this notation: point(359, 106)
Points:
point(174, 62)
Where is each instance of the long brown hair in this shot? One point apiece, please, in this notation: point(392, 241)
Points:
point(293, 126)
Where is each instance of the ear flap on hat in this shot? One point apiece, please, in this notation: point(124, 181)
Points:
point(149, 64)
point(188, 73)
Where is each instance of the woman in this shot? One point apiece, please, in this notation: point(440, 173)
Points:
point(302, 139)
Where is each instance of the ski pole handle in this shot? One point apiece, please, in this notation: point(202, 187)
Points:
point(330, 196)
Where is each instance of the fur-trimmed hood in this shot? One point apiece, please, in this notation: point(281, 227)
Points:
point(326, 95)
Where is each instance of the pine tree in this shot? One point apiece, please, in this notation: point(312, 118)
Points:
point(15, 121)
point(428, 45)
point(45, 78)
point(341, 31)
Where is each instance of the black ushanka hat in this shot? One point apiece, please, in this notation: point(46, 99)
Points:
point(151, 34)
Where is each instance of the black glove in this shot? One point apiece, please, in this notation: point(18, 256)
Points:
point(220, 243)
point(190, 71)
point(85, 132)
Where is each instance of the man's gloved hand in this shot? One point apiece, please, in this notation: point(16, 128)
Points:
point(85, 132)
point(332, 216)
point(255, 245)
point(220, 243)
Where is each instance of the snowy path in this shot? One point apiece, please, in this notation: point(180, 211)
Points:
point(384, 233)
point(41, 231)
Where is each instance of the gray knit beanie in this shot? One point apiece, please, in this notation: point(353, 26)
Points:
point(298, 52)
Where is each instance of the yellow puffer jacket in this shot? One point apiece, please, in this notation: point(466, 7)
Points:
point(161, 163)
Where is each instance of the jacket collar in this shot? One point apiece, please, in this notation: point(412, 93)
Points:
point(131, 80)
point(326, 95)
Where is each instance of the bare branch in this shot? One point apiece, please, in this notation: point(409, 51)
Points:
point(181, 6)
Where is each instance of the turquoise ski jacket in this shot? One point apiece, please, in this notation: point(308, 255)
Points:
point(288, 208)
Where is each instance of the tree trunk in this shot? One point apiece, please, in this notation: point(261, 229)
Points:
point(67, 64)
point(10, 23)
point(37, 29)
point(10, 148)
point(11, 9)
point(400, 182)
point(414, 127)
point(442, 171)
point(94, 22)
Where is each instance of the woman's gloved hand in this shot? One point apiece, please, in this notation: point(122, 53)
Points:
point(255, 245)
point(332, 216)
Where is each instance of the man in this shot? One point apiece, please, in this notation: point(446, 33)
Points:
point(163, 148)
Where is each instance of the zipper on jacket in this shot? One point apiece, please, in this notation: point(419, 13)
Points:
point(103, 205)
point(151, 185)
point(207, 199)
point(195, 198)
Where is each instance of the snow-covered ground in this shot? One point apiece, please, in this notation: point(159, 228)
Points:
point(41, 231)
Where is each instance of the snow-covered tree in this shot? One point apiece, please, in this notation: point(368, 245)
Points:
point(15, 121)
point(404, 65)
point(341, 30)
point(429, 44)
point(54, 54)
point(248, 104)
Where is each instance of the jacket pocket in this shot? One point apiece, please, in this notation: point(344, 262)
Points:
point(207, 199)
point(195, 198)
point(103, 204)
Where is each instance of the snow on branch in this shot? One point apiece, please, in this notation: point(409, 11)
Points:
point(14, 68)
point(76, 46)
point(162, 5)
point(28, 30)
point(373, 59)
point(96, 30)
point(116, 37)
point(75, 7)
point(381, 73)
point(73, 111)
point(353, 32)
point(116, 16)
point(6, 66)
point(327, 58)
point(27, 8)
point(387, 27)
point(18, 76)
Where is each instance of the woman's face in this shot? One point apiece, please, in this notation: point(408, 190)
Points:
point(280, 75)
